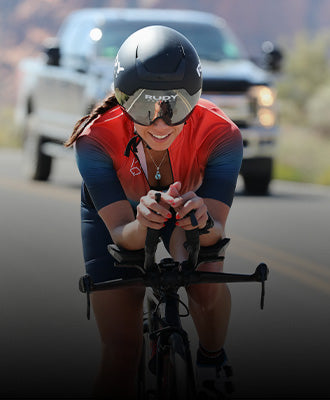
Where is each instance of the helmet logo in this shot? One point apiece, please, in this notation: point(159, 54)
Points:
point(199, 70)
point(117, 67)
point(151, 97)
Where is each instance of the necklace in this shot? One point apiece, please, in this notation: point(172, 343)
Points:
point(158, 176)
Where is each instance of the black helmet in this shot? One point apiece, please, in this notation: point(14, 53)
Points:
point(157, 74)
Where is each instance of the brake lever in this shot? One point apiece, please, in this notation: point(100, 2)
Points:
point(262, 299)
point(85, 286)
point(152, 240)
point(261, 273)
point(193, 218)
point(192, 245)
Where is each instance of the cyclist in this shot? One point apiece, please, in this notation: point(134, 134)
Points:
point(154, 134)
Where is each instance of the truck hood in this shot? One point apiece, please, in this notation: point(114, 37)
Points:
point(233, 75)
point(228, 75)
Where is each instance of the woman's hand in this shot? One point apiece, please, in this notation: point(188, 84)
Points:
point(153, 214)
point(184, 204)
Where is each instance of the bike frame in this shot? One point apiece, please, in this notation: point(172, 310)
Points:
point(165, 329)
point(165, 278)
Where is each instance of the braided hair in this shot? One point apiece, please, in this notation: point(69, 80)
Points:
point(107, 104)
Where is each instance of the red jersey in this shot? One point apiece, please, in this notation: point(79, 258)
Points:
point(205, 157)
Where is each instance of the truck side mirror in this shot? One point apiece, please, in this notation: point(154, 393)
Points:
point(52, 51)
point(272, 57)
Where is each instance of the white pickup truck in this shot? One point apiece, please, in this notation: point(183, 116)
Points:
point(75, 72)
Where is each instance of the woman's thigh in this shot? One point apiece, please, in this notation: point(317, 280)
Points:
point(203, 294)
point(207, 295)
point(119, 315)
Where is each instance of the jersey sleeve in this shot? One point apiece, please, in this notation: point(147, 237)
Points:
point(223, 167)
point(98, 173)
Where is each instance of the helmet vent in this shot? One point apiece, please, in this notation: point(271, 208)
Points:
point(170, 76)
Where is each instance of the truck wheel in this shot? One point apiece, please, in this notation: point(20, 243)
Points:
point(256, 185)
point(257, 175)
point(37, 165)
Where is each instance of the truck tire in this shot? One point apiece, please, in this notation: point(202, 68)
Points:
point(37, 165)
point(257, 175)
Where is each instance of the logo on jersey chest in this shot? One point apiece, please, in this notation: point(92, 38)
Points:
point(135, 168)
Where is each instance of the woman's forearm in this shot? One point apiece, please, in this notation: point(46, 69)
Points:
point(131, 236)
point(125, 230)
point(215, 234)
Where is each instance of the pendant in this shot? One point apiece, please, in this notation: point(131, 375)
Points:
point(158, 175)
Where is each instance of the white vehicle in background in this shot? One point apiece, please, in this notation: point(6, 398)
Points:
point(75, 73)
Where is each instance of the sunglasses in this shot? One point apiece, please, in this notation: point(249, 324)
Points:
point(146, 106)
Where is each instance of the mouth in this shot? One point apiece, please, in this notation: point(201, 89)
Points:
point(159, 138)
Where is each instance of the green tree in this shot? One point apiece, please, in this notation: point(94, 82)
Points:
point(305, 81)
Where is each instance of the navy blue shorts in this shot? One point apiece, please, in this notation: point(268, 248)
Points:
point(99, 263)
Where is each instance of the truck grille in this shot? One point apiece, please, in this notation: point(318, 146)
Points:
point(236, 105)
point(225, 85)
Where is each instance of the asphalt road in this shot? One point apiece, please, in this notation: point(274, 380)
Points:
point(49, 350)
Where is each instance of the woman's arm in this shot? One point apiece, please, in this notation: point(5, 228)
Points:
point(125, 230)
point(215, 195)
point(107, 194)
point(203, 209)
point(130, 232)
point(219, 212)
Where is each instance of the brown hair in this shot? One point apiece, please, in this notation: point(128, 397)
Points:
point(107, 104)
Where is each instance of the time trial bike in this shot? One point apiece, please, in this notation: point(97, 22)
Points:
point(167, 372)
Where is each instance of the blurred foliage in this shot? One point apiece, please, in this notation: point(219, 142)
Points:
point(304, 85)
point(302, 156)
point(304, 98)
point(8, 133)
point(317, 108)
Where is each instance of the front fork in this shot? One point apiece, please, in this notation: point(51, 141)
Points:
point(163, 336)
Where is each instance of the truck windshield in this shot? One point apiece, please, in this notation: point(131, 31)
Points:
point(211, 42)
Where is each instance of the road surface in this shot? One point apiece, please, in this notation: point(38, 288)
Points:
point(50, 350)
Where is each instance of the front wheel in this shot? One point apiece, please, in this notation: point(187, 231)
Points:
point(257, 185)
point(175, 372)
point(36, 164)
point(257, 174)
point(145, 379)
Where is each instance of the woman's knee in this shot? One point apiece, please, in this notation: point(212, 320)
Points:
point(207, 296)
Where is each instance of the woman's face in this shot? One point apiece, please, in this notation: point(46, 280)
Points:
point(158, 135)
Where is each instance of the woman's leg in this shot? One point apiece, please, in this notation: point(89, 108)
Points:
point(119, 315)
point(209, 304)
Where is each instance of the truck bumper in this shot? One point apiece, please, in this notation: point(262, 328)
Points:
point(259, 142)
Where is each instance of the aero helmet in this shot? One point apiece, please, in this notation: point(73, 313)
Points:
point(157, 74)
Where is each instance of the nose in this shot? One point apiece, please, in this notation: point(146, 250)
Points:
point(160, 124)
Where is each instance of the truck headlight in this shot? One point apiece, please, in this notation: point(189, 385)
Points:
point(266, 117)
point(263, 105)
point(95, 34)
point(264, 95)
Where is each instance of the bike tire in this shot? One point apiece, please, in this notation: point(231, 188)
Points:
point(146, 386)
point(141, 378)
point(146, 380)
point(176, 381)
